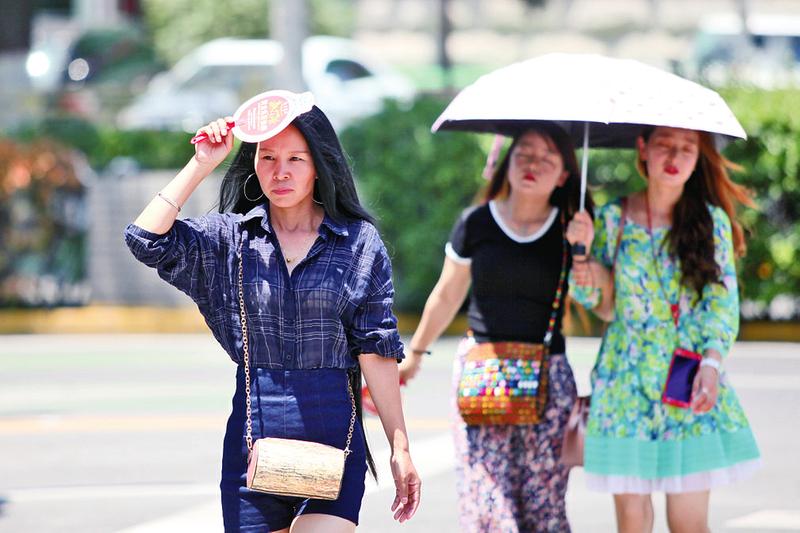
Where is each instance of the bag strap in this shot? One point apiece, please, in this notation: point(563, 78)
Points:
point(246, 356)
point(551, 325)
point(620, 229)
point(675, 308)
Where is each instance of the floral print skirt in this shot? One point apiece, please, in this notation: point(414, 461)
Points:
point(635, 443)
point(509, 478)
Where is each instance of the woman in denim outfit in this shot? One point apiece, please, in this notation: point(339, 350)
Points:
point(318, 294)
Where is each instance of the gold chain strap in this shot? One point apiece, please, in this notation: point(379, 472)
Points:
point(246, 350)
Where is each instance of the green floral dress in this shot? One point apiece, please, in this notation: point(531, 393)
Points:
point(634, 442)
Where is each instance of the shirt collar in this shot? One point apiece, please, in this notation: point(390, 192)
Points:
point(336, 227)
point(262, 211)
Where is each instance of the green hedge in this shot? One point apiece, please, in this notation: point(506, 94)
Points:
point(417, 183)
point(771, 161)
point(101, 144)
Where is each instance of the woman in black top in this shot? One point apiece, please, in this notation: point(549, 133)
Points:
point(510, 250)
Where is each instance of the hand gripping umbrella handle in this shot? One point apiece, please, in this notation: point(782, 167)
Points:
point(203, 136)
point(579, 249)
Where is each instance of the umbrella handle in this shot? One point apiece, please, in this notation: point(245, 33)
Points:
point(584, 164)
point(578, 249)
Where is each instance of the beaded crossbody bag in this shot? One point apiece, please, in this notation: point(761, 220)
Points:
point(507, 382)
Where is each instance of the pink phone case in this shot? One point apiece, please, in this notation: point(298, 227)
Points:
point(680, 378)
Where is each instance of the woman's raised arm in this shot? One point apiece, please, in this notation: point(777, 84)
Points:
point(161, 212)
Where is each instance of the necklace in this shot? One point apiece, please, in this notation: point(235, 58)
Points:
point(290, 260)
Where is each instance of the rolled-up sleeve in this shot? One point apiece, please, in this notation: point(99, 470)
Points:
point(186, 256)
point(458, 248)
point(374, 326)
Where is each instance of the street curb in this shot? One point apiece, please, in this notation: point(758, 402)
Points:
point(140, 319)
point(126, 319)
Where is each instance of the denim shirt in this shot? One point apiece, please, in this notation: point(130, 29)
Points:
point(335, 305)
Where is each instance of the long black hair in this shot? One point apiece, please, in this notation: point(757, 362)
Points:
point(334, 188)
point(566, 197)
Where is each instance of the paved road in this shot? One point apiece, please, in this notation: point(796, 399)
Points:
point(123, 434)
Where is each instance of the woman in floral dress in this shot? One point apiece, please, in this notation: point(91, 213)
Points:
point(673, 284)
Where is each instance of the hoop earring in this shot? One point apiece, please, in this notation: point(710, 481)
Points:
point(333, 184)
point(315, 192)
point(244, 189)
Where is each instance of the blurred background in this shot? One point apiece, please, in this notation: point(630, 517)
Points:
point(99, 99)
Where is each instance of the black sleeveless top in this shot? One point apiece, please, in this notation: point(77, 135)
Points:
point(514, 278)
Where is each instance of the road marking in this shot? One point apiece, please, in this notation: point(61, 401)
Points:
point(107, 423)
point(205, 518)
point(781, 519)
point(159, 423)
point(432, 457)
point(49, 494)
point(742, 381)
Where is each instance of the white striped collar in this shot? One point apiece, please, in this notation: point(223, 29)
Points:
point(522, 238)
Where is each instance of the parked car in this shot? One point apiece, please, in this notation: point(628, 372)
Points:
point(764, 53)
point(216, 77)
point(90, 73)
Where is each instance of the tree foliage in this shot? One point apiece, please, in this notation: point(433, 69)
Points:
point(771, 161)
point(416, 183)
point(179, 26)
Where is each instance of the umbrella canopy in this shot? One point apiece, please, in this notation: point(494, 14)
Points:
point(616, 97)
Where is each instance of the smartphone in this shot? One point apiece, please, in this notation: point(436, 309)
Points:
point(682, 370)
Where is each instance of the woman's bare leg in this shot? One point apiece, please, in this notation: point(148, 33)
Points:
point(688, 512)
point(321, 523)
point(634, 513)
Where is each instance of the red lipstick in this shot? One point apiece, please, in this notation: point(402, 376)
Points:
point(671, 170)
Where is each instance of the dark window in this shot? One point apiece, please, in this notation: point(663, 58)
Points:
point(346, 70)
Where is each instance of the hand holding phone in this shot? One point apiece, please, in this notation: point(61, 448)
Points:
point(705, 390)
point(680, 384)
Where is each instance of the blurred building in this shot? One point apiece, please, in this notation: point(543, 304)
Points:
point(49, 26)
point(481, 35)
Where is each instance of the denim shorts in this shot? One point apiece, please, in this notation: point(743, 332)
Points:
point(309, 405)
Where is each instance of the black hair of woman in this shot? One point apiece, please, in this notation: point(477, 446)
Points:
point(334, 187)
point(566, 197)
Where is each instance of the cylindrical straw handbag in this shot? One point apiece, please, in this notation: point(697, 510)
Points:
point(289, 467)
